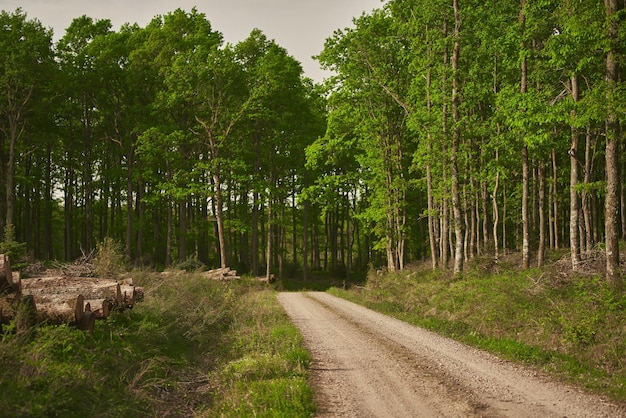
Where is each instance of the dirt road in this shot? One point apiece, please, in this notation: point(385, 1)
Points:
point(370, 365)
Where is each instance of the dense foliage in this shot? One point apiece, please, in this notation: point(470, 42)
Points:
point(459, 128)
point(451, 129)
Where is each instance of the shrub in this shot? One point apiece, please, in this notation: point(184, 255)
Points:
point(15, 250)
point(109, 260)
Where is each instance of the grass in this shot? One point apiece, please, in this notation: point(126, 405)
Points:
point(193, 348)
point(571, 327)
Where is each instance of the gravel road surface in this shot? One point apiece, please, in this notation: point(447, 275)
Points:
point(366, 364)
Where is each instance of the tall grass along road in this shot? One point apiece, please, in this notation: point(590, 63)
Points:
point(368, 364)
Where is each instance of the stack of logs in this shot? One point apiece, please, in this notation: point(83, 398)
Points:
point(63, 299)
point(226, 274)
point(222, 274)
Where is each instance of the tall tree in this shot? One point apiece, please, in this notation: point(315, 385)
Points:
point(611, 212)
point(25, 69)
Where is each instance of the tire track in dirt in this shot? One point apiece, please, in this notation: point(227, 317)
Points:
point(366, 364)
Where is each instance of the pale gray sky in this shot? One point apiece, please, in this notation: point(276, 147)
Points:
point(300, 26)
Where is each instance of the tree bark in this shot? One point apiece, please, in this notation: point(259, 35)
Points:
point(586, 197)
point(555, 201)
point(611, 210)
point(496, 213)
point(542, 214)
point(573, 193)
point(525, 166)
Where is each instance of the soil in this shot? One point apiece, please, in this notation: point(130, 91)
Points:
point(366, 364)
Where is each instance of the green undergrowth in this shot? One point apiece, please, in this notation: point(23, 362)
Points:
point(193, 348)
point(571, 327)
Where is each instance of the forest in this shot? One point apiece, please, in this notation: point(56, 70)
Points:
point(450, 129)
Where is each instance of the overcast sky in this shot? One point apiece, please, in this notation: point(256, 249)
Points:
point(300, 26)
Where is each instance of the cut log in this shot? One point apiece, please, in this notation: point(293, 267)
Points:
point(222, 274)
point(266, 279)
point(79, 309)
point(64, 299)
point(9, 280)
point(100, 308)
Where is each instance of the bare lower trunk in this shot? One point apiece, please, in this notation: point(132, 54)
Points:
point(219, 215)
point(542, 217)
point(555, 202)
point(525, 220)
point(585, 198)
point(496, 213)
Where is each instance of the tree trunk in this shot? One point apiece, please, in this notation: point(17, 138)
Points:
point(456, 139)
point(444, 130)
point(542, 214)
point(611, 211)
point(525, 220)
point(496, 212)
point(573, 193)
point(219, 215)
point(68, 200)
point(525, 167)
point(129, 202)
point(182, 230)
point(555, 201)
point(429, 176)
point(586, 198)
point(305, 233)
point(269, 249)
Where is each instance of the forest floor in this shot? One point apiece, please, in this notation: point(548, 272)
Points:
point(365, 364)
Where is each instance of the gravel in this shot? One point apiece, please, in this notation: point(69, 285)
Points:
point(366, 364)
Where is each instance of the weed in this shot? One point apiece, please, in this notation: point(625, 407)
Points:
point(109, 259)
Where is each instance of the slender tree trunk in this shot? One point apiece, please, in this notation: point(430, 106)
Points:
point(496, 212)
point(444, 129)
point(611, 211)
point(254, 251)
point(431, 218)
point(305, 233)
point(48, 247)
point(182, 230)
point(429, 176)
point(586, 198)
point(294, 226)
point(169, 221)
point(456, 139)
point(555, 201)
point(10, 174)
point(129, 202)
point(504, 215)
point(525, 166)
point(68, 199)
point(219, 215)
point(269, 249)
point(573, 194)
point(525, 220)
point(542, 214)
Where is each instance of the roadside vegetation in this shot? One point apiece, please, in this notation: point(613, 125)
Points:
point(194, 347)
point(572, 326)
